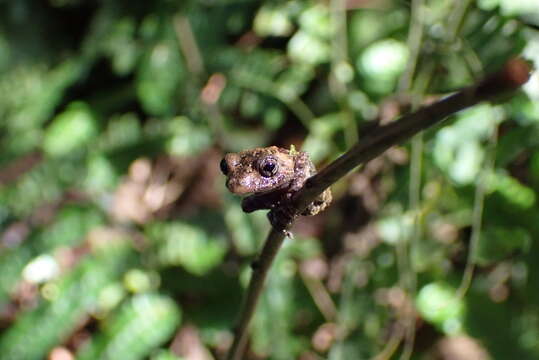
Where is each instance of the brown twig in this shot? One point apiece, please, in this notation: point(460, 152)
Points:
point(513, 75)
point(260, 270)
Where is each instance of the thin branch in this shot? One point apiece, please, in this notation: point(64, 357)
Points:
point(513, 75)
point(260, 270)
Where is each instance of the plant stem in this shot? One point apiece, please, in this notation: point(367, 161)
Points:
point(514, 74)
point(260, 270)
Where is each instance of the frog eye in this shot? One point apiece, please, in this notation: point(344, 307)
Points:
point(268, 167)
point(224, 167)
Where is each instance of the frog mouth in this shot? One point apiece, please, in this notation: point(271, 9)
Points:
point(238, 188)
point(245, 186)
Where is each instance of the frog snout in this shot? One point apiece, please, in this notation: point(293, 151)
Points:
point(237, 187)
point(241, 185)
point(230, 185)
point(230, 161)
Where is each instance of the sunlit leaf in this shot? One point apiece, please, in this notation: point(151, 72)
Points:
point(438, 304)
point(144, 322)
point(384, 60)
point(272, 21)
point(70, 130)
point(159, 75)
point(512, 190)
point(316, 20)
point(180, 243)
point(304, 47)
point(66, 302)
point(187, 138)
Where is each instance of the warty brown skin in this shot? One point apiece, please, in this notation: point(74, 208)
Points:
point(271, 175)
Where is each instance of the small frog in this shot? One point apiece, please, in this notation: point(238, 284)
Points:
point(272, 175)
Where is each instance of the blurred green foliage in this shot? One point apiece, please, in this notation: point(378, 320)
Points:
point(118, 239)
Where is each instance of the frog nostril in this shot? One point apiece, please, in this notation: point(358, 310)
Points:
point(224, 167)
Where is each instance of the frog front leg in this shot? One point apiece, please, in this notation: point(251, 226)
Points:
point(261, 201)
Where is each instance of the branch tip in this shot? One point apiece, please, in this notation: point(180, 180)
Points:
point(515, 73)
point(518, 71)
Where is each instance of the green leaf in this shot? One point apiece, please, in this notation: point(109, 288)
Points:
point(12, 262)
point(66, 302)
point(187, 138)
point(497, 243)
point(40, 185)
point(70, 227)
point(512, 190)
point(318, 143)
point(272, 21)
point(307, 48)
point(160, 74)
point(384, 61)
point(165, 354)
point(121, 46)
point(439, 305)
point(71, 130)
point(244, 228)
point(181, 243)
point(317, 21)
point(101, 174)
point(459, 149)
point(143, 323)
